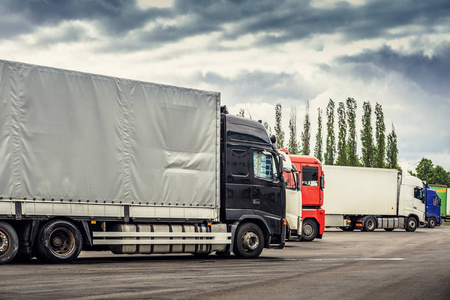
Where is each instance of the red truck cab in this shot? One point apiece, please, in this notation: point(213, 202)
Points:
point(312, 182)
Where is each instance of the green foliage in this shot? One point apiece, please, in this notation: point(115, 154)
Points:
point(392, 150)
point(380, 137)
point(366, 136)
point(279, 133)
point(441, 176)
point(266, 125)
point(425, 170)
point(433, 175)
point(331, 140)
point(318, 148)
point(306, 134)
point(293, 144)
point(352, 157)
point(241, 113)
point(342, 145)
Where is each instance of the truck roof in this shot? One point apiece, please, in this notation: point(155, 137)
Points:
point(304, 159)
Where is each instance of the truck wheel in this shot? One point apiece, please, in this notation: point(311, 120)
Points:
point(370, 224)
point(432, 222)
point(9, 243)
point(411, 224)
point(249, 241)
point(59, 241)
point(309, 230)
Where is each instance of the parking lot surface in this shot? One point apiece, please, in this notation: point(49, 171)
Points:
point(350, 265)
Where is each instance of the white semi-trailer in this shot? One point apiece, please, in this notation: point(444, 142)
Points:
point(90, 162)
point(370, 198)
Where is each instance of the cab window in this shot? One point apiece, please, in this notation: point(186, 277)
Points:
point(310, 176)
point(291, 180)
point(418, 193)
point(264, 166)
point(239, 162)
point(436, 201)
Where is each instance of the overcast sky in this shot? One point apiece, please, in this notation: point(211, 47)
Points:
point(258, 52)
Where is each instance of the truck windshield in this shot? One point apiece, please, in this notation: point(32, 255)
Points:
point(264, 166)
point(310, 176)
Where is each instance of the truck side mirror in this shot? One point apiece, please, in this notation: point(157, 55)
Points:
point(273, 139)
point(322, 183)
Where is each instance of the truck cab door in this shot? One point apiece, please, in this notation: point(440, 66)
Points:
point(267, 189)
point(310, 186)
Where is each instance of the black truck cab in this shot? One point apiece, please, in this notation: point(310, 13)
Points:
point(253, 190)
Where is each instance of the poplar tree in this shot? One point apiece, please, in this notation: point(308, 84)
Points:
point(367, 136)
point(306, 134)
point(380, 136)
point(392, 150)
point(342, 145)
point(352, 157)
point(318, 148)
point(266, 125)
point(331, 141)
point(279, 133)
point(293, 144)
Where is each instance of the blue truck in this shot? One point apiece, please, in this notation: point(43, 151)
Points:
point(432, 207)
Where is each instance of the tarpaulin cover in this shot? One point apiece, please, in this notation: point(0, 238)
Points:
point(71, 135)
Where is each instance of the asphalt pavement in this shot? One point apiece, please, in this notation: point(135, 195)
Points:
point(342, 265)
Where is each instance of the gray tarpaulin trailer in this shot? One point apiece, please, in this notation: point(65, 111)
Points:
point(95, 160)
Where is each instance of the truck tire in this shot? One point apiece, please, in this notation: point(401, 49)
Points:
point(249, 241)
point(9, 243)
point(411, 224)
point(309, 230)
point(432, 222)
point(370, 224)
point(58, 241)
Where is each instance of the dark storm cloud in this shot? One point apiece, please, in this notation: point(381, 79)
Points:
point(272, 21)
point(431, 73)
point(297, 20)
point(261, 86)
point(112, 16)
point(287, 20)
point(69, 35)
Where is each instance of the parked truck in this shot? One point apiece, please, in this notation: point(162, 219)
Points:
point(370, 198)
point(432, 207)
point(91, 162)
point(442, 191)
point(294, 208)
point(311, 182)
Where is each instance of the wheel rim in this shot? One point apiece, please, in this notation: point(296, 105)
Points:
point(308, 230)
point(5, 245)
point(250, 241)
point(412, 223)
point(61, 241)
point(370, 224)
